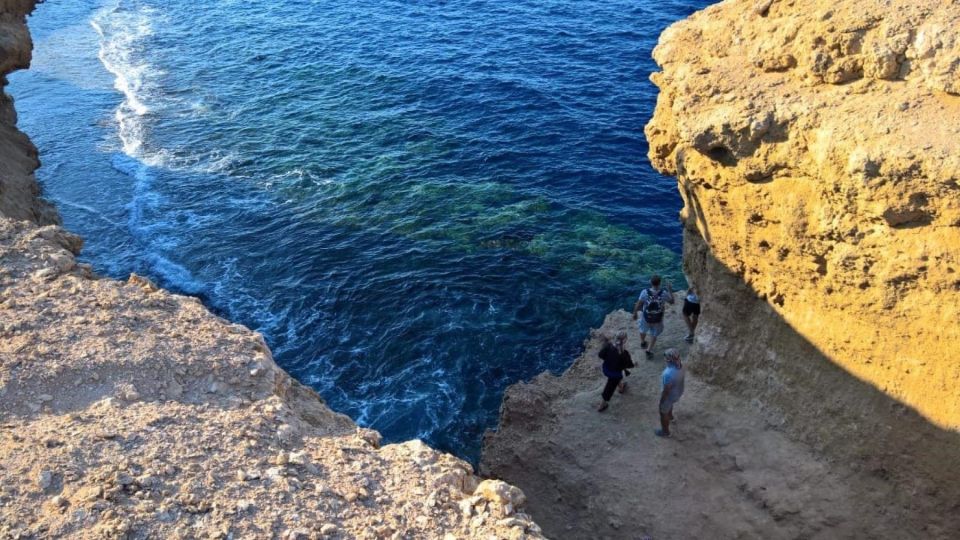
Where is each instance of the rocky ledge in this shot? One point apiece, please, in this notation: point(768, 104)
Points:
point(130, 412)
point(815, 144)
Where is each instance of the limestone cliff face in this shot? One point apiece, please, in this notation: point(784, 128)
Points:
point(130, 412)
point(817, 149)
point(19, 194)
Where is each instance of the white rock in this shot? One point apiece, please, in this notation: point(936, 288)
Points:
point(500, 492)
point(275, 473)
point(287, 433)
point(298, 458)
point(44, 479)
point(44, 274)
point(514, 522)
point(466, 508)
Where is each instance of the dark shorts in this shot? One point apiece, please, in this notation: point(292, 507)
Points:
point(689, 308)
point(612, 383)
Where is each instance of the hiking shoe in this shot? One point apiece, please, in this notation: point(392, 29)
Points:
point(643, 344)
point(622, 387)
point(661, 433)
point(603, 407)
point(649, 354)
point(689, 339)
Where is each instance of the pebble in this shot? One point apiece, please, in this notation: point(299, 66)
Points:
point(298, 458)
point(45, 397)
point(287, 433)
point(328, 529)
point(466, 507)
point(59, 501)
point(44, 479)
point(500, 492)
point(274, 473)
point(514, 522)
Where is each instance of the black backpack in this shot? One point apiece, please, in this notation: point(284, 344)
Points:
point(653, 309)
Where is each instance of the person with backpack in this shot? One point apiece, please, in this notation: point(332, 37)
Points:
point(653, 301)
point(616, 364)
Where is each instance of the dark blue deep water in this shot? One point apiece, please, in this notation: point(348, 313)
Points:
point(417, 202)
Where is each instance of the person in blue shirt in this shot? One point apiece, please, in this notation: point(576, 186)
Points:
point(616, 362)
point(672, 381)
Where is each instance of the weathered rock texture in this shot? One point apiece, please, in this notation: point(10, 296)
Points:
point(130, 412)
point(19, 193)
point(817, 150)
point(817, 147)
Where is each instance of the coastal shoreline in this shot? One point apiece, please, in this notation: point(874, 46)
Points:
point(130, 412)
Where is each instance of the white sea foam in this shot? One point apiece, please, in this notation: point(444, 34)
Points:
point(122, 33)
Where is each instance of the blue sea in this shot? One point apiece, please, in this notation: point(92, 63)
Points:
point(418, 203)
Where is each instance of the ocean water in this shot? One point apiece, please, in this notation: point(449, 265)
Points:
point(418, 203)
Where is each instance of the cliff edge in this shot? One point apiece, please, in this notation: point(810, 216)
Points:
point(130, 412)
point(815, 144)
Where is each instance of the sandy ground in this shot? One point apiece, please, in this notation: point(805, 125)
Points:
point(725, 473)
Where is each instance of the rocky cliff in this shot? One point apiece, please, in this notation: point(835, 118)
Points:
point(815, 144)
point(817, 148)
point(19, 193)
point(130, 412)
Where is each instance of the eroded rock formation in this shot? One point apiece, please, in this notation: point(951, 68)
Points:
point(817, 148)
point(130, 412)
point(19, 193)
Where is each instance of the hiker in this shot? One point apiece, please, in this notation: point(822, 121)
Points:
point(672, 380)
point(691, 312)
point(652, 300)
point(616, 364)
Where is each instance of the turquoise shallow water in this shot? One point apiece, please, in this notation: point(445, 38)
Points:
point(418, 203)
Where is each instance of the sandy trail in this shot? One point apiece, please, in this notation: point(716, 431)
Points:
point(725, 473)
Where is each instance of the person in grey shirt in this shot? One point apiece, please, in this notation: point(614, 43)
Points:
point(672, 380)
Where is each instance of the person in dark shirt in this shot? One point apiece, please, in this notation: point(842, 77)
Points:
point(691, 312)
point(616, 362)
